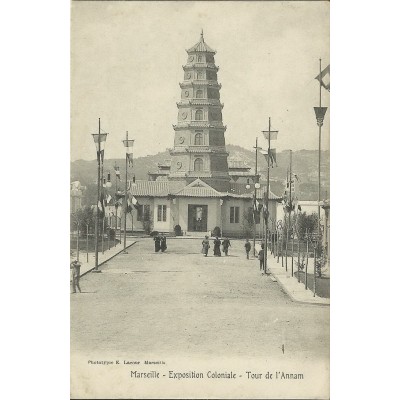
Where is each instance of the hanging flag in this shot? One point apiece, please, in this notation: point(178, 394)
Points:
point(117, 172)
point(273, 157)
point(135, 203)
point(101, 205)
point(128, 206)
point(324, 78)
point(265, 212)
point(129, 150)
point(272, 135)
point(130, 159)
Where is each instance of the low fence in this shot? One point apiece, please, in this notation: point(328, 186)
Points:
point(304, 260)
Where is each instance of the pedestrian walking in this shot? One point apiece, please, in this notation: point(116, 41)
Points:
point(247, 246)
point(163, 243)
point(75, 268)
point(157, 243)
point(261, 256)
point(217, 249)
point(206, 245)
point(225, 245)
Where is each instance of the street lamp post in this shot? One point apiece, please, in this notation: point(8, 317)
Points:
point(98, 139)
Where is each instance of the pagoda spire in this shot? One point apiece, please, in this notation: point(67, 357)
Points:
point(201, 35)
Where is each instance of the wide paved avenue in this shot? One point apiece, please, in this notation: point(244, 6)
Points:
point(181, 303)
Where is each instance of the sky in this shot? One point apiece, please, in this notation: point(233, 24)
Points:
point(126, 65)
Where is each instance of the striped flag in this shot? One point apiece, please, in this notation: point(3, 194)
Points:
point(324, 78)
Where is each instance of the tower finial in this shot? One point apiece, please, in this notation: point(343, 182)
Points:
point(201, 35)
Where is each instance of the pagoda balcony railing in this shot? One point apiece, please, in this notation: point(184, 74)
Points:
point(200, 102)
point(200, 65)
point(197, 82)
point(200, 124)
point(195, 148)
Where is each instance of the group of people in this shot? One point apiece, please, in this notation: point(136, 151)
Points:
point(217, 246)
point(225, 247)
point(160, 243)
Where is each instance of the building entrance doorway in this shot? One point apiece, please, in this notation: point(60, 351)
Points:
point(197, 218)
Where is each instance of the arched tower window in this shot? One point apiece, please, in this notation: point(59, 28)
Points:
point(198, 164)
point(199, 115)
point(199, 94)
point(198, 138)
point(199, 58)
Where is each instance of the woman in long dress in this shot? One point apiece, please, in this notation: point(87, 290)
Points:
point(206, 246)
point(217, 249)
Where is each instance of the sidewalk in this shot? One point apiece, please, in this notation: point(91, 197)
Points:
point(295, 290)
point(108, 254)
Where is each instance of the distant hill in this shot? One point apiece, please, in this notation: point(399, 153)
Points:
point(304, 165)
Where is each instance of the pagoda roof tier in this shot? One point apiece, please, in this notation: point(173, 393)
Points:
point(200, 102)
point(201, 46)
point(200, 65)
point(203, 82)
point(199, 124)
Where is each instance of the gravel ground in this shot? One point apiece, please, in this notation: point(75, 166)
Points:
point(180, 303)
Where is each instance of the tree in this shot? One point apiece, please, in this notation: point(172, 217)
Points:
point(82, 218)
point(248, 222)
point(305, 224)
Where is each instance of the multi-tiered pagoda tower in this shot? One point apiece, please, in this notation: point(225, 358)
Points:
point(199, 145)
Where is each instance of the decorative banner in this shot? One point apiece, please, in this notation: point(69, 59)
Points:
point(324, 78)
point(129, 150)
point(117, 172)
point(272, 156)
point(271, 135)
point(320, 114)
point(135, 203)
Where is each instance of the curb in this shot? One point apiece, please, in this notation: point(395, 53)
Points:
point(108, 259)
point(292, 297)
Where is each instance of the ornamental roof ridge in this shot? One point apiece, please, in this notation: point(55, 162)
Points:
point(201, 46)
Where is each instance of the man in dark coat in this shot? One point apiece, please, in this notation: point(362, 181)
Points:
point(247, 247)
point(75, 267)
point(225, 245)
point(217, 250)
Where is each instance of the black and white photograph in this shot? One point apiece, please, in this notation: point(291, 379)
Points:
point(200, 200)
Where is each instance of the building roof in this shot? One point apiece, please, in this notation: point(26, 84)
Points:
point(197, 188)
point(150, 188)
point(201, 46)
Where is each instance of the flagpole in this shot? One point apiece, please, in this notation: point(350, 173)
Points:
point(267, 198)
point(126, 192)
point(319, 150)
point(96, 226)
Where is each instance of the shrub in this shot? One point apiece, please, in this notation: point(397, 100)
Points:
point(178, 230)
point(217, 231)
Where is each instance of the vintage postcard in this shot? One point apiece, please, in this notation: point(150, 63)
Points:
point(200, 212)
